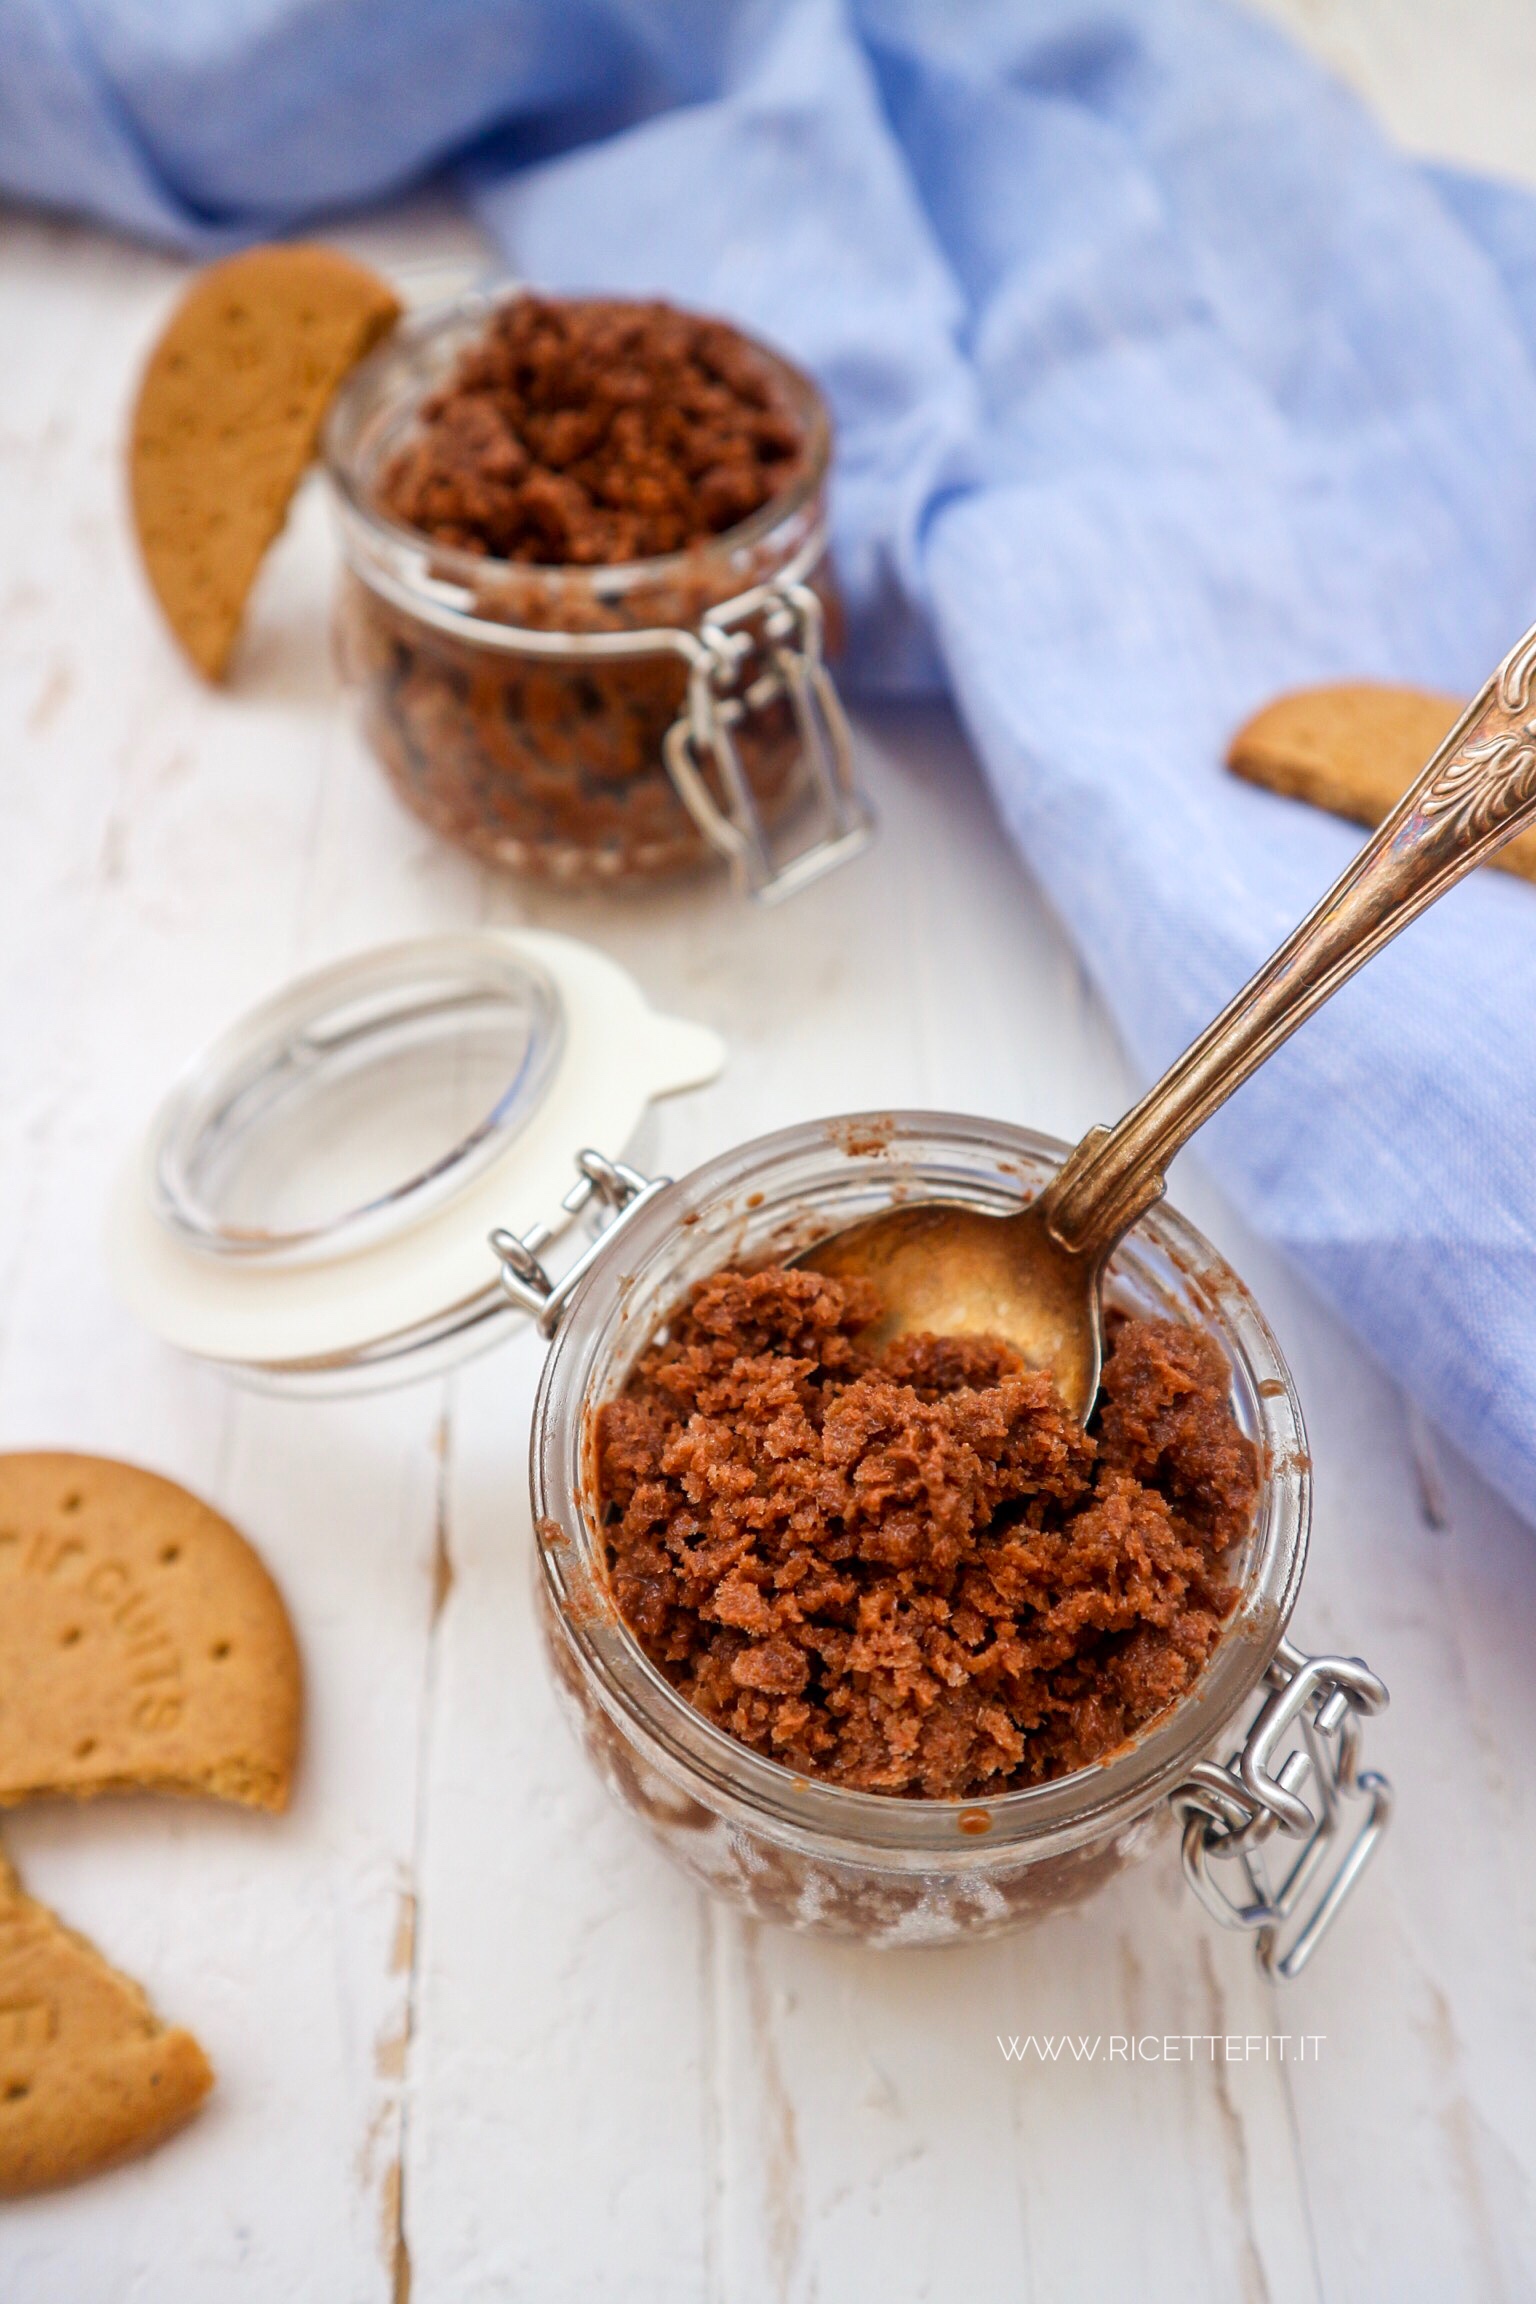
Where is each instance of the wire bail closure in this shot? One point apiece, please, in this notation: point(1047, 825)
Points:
point(790, 632)
point(793, 635)
point(1231, 1810)
point(601, 1183)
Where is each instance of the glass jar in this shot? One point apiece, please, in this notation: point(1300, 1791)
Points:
point(591, 726)
point(311, 1209)
point(890, 1870)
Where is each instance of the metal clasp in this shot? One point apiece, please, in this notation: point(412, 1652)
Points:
point(788, 616)
point(778, 623)
point(601, 1183)
point(1229, 1811)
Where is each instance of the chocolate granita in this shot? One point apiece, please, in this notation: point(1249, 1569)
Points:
point(911, 1572)
point(588, 432)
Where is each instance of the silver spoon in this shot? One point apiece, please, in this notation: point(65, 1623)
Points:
point(1034, 1278)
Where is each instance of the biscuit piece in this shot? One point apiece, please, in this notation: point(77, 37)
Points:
point(227, 418)
point(143, 1646)
point(88, 2073)
point(1355, 751)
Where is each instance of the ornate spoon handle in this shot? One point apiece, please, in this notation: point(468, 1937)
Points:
point(1476, 793)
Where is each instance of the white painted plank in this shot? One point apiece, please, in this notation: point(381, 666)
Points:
point(558, 2128)
point(169, 833)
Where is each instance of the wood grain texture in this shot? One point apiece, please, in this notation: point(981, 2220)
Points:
point(469, 2027)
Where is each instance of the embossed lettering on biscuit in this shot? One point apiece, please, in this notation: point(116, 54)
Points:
point(142, 1643)
point(88, 2073)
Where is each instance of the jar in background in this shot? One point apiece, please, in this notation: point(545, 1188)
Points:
point(891, 1870)
point(594, 726)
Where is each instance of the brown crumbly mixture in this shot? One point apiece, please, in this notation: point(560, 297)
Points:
point(913, 1573)
point(591, 432)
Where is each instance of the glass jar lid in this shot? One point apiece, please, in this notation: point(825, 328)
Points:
point(357, 1100)
point(311, 1205)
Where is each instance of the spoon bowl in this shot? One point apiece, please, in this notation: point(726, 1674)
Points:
point(948, 1271)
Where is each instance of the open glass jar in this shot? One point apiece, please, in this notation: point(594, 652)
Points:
point(897, 1870)
point(595, 726)
point(313, 1208)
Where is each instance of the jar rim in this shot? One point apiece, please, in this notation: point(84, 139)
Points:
point(349, 456)
point(616, 1310)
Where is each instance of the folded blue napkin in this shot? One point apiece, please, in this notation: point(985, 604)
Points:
point(1163, 384)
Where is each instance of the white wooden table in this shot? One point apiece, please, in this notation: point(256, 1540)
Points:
point(473, 2037)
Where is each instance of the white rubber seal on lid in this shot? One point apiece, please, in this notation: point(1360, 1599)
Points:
point(311, 1204)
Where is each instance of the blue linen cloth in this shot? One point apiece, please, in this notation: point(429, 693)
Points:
point(1163, 384)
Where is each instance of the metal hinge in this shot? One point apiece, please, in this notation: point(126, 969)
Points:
point(602, 1183)
point(1229, 1812)
point(789, 619)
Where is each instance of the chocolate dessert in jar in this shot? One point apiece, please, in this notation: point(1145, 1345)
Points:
point(874, 1637)
point(587, 602)
point(770, 1748)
